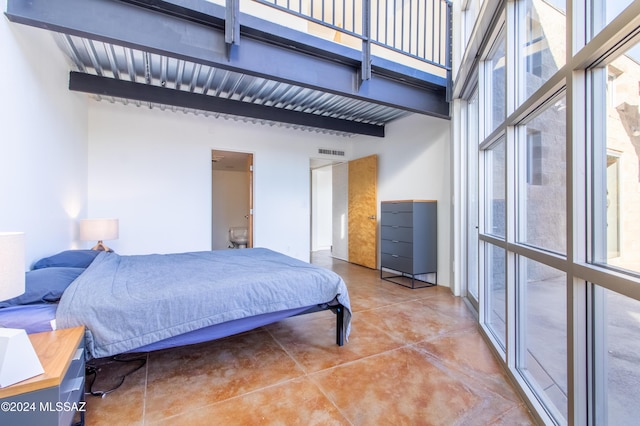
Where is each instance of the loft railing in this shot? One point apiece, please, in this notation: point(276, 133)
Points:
point(420, 29)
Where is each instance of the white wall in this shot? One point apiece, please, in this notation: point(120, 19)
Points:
point(152, 170)
point(340, 211)
point(413, 163)
point(321, 204)
point(43, 147)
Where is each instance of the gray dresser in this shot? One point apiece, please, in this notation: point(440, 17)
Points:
point(409, 243)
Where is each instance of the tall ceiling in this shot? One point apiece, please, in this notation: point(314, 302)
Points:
point(175, 55)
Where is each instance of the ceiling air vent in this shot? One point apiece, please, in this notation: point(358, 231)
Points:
point(330, 152)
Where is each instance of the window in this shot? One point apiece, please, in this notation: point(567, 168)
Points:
point(618, 319)
point(559, 179)
point(542, 45)
point(496, 82)
point(543, 206)
point(534, 157)
point(613, 206)
point(617, 158)
point(543, 332)
point(495, 193)
point(605, 11)
point(496, 304)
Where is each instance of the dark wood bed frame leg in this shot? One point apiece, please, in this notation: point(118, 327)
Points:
point(340, 325)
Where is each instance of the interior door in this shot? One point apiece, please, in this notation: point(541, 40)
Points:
point(250, 214)
point(363, 206)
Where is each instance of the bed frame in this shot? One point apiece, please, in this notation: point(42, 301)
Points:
point(339, 311)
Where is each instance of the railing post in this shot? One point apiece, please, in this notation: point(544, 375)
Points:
point(366, 40)
point(231, 25)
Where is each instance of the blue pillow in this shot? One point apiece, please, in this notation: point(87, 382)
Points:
point(44, 286)
point(69, 258)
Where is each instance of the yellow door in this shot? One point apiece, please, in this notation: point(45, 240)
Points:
point(363, 224)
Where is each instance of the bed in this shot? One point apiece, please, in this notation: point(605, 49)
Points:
point(148, 302)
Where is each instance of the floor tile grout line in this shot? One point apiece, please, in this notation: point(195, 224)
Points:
point(395, 304)
point(450, 370)
point(323, 392)
point(242, 395)
point(304, 371)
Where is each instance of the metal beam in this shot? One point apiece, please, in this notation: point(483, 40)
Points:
point(366, 40)
point(193, 30)
point(104, 86)
point(231, 25)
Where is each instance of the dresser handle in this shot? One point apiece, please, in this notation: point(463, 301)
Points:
point(73, 385)
point(79, 354)
point(394, 255)
point(395, 241)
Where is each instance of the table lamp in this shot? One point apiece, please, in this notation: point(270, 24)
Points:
point(18, 359)
point(99, 229)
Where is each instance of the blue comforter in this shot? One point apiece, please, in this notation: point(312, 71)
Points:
point(126, 302)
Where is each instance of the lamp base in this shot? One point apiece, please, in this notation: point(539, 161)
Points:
point(101, 247)
point(18, 359)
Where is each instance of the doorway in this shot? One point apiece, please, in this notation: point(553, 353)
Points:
point(231, 196)
point(321, 205)
point(349, 197)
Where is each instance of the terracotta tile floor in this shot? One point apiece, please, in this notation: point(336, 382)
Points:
point(414, 357)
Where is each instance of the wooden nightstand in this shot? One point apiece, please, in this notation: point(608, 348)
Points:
point(54, 397)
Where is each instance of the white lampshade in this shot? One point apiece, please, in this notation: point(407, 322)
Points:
point(12, 268)
point(98, 229)
point(18, 359)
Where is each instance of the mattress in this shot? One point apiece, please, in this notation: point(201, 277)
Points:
point(31, 318)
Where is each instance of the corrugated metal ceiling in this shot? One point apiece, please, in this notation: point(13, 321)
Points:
point(123, 63)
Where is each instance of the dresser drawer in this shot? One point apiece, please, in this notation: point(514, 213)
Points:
point(392, 207)
point(396, 233)
point(73, 383)
point(72, 386)
point(397, 219)
point(399, 248)
point(397, 263)
point(76, 367)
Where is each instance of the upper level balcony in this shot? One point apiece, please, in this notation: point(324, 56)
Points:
point(395, 34)
point(338, 66)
